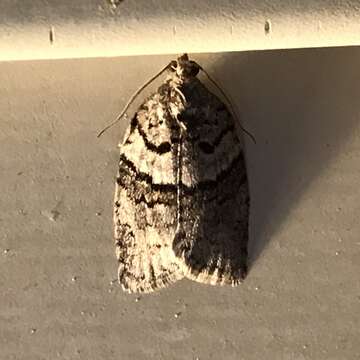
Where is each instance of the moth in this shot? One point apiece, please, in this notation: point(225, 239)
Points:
point(181, 205)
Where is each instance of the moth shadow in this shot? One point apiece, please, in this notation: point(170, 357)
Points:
point(299, 104)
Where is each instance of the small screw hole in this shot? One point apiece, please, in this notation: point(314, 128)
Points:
point(267, 27)
point(51, 35)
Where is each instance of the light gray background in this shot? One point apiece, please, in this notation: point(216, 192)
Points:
point(301, 299)
point(93, 28)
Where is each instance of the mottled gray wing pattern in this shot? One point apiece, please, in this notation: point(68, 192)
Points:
point(213, 236)
point(181, 200)
point(145, 210)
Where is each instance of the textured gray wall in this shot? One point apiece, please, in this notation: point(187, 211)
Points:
point(301, 299)
point(93, 28)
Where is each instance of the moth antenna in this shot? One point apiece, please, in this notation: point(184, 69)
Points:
point(132, 99)
point(248, 133)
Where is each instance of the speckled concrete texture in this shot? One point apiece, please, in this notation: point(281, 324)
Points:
point(52, 29)
point(301, 299)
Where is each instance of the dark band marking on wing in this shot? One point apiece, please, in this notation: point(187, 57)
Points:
point(201, 186)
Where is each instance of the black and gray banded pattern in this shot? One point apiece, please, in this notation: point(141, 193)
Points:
point(181, 199)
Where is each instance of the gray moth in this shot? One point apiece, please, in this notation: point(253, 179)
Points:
point(181, 205)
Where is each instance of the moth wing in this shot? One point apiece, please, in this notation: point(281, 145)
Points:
point(218, 249)
point(212, 241)
point(145, 206)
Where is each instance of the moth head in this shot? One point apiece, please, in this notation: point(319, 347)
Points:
point(185, 68)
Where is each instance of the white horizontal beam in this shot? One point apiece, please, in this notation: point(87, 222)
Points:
point(41, 29)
